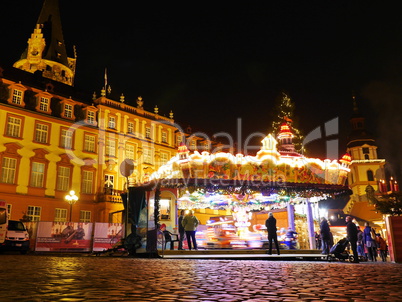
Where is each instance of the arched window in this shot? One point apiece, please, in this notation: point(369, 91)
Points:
point(370, 175)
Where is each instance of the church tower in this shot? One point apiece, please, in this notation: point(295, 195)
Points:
point(46, 51)
point(365, 168)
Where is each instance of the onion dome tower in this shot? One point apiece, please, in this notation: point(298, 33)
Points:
point(46, 51)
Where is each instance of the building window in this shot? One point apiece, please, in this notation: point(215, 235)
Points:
point(147, 132)
point(91, 117)
point(8, 170)
point(37, 174)
point(13, 126)
point(179, 140)
point(60, 215)
point(66, 138)
point(193, 145)
point(130, 151)
point(68, 111)
point(112, 122)
point(164, 158)
point(130, 127)
point(370, 175)
point(17, 97)
point(110, 148)
point(164, 137)
point(63, 178)
point(89, 143)
point(87, 182)
point(85, 216)
point(147, 156)
point(44, 104)
point(41, 133)
point(33, 213)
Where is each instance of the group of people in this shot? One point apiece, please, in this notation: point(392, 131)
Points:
point(187, 228)
point(365, 244)
point(369, 243)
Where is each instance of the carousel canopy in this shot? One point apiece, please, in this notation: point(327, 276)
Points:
point(219, 179)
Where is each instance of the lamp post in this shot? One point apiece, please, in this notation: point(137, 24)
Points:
point(71, 198)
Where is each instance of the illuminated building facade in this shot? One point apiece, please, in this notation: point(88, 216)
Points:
point(365, 169)
point(54, 139)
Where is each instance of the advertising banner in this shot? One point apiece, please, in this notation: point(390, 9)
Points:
point(63, 236)
point(106, 236)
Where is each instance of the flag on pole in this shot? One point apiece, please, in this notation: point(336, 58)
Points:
point(105, 79)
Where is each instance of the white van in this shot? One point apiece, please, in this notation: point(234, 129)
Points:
point(17, 237)
point(14, 235)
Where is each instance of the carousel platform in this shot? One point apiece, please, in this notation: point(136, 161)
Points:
point(252, 254)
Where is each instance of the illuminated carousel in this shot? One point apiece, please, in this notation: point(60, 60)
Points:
point(242, 185)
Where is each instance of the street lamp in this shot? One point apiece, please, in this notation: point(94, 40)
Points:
point(71, 198)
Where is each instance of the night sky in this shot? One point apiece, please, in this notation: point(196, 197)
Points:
point(212, 64)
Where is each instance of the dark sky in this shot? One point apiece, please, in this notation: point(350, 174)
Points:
point(213, 64)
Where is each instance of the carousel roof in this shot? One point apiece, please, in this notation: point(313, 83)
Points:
point(269, 171)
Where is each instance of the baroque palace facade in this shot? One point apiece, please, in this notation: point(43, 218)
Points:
point(54, 139)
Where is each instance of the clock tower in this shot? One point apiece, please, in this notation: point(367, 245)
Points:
point(46, 51)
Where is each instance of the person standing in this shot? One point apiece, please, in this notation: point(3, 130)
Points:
point(360, 244)
point(181, 230)
point(382, 245)
point(351, 231)
point(190, 223)
point(369, 241)
point(270, 223)
point(325, 235)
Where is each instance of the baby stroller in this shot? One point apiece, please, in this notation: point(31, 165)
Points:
point(338, 251)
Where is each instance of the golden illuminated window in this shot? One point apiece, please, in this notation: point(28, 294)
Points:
point(14, 125)
point(44, 104)
point(130, 127)
point(41, 133)
point(8, 170)
point(89, 143)
point(130, 151)
point(87, 182)
point(85, 216)
point(91, 117)
point(60, 214)
point(112, 122)
point(110, 147)
point(63, 178)
point(37, 175)
point(33, 213)
point(147, 156)
point(66, 138)
point(68, 111)
point(17, 97)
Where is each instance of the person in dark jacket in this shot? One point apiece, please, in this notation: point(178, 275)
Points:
point(370, 242)
point(351, 231)
point(181, 230)
point(360, 244)
point(325, 235)
point(270, 223)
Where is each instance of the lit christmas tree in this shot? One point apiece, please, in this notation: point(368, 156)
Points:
point(284, 112)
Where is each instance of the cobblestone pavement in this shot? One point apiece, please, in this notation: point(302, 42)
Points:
point(57, 278)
